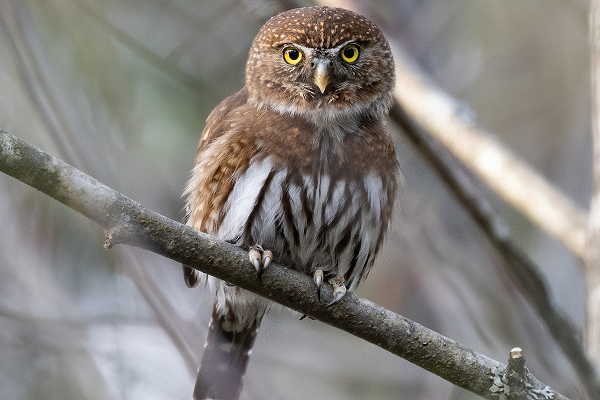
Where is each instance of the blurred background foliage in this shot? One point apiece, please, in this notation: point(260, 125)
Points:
point(121, 88)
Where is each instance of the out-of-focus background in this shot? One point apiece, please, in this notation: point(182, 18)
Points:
point(121, 88)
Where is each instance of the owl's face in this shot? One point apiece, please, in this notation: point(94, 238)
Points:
point(322, 63)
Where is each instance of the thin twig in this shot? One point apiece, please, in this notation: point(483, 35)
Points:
point(165, 312)
point(41, 96)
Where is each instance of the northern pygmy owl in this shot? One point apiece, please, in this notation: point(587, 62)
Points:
point(297, 168)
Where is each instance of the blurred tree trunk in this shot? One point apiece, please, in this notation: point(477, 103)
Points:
point(592, 254)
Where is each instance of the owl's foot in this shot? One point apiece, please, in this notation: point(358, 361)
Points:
point(318, 279)
point(260, 258)
point(339, 289)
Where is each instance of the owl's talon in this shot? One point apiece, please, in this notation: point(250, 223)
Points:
point(255, 258)
point(318, 279)
point(338, 293)
point(266, 258)
point(260, 258)
point(339, 289)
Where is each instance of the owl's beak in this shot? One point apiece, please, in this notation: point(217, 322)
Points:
point(321, 74)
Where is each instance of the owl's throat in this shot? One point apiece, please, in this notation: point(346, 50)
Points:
point(327, 116)
point(328, 143)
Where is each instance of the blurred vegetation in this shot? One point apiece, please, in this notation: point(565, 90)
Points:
point(121, 89)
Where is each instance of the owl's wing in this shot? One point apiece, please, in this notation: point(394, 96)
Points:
point(224, 153)
point(211, 182)
point(214, 127)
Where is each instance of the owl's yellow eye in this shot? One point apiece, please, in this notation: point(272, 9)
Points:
point(350, 53)
point(292, 55)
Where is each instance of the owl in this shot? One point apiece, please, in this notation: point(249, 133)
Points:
point(297, 168)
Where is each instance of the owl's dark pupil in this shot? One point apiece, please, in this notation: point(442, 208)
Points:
point(293, 54)
point(349, 52)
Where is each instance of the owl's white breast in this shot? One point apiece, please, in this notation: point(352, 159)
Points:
point(242, 199)
point(340, 211)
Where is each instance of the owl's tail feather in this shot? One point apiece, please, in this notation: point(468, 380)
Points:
point(190, 276)
point(225, 359)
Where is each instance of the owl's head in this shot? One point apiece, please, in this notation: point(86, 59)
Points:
point(322, 63)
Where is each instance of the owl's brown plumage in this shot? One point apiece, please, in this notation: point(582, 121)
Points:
point(297, 163)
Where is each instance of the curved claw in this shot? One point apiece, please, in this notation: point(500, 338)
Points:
point(338, 293)
point(260, 259)
point(318, 279)
point(266, 258)
point(255, 259)
point(257, 267)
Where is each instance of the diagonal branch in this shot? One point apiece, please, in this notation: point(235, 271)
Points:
point(442, 130)
point(508, 175)
point(525, 272)
point(128, 222)
point(592, 254)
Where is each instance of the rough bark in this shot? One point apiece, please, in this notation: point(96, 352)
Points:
point(128, 222)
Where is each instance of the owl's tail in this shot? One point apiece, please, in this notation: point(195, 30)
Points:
point(225, 358)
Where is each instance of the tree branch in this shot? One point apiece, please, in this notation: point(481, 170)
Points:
point(525, 272)
point(441, 130)
point(508, 175)
point(128, 222)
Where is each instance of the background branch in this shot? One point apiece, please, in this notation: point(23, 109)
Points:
point(524, 271)
point(451, 123)
point(508, 175)
point(127, 222)
point(592, 254)
point(444, 131)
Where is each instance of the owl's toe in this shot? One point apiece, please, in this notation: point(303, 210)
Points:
point(339, 289)
point(255, 258)
point(267, 257)
point(318, 279)
point(260, 258)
